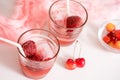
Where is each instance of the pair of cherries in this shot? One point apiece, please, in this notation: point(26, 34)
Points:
point(74, 63)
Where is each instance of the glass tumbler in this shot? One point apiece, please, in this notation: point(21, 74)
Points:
point(40, 52)
point(66, 22)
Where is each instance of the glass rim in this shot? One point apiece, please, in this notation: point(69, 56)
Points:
point(65, 27)
point(58, 44)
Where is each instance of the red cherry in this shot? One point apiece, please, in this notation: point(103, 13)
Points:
point(70, 64)
point(117, 34)
point(106, 39)
point(111, 34)
point(80, 62)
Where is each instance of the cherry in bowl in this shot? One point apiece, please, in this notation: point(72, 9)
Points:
point(109, 35)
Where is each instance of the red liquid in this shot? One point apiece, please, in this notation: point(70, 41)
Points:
point(65, 42)
point(70, 30)
point(37, 62)
point(33, 72)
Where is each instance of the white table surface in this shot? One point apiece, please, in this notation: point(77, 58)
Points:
point(101, 64)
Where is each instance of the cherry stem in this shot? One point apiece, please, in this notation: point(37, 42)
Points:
point(80, 49)
point(75, 49)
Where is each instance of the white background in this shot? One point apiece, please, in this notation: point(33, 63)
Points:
point(101, 64)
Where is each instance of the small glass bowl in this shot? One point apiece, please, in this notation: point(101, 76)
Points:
point(102, 32)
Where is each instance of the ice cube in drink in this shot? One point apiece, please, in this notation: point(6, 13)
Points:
point(39, 61)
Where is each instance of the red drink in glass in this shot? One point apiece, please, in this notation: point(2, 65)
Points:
point(41, 49)
point(67, 27)
point(33, 72)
